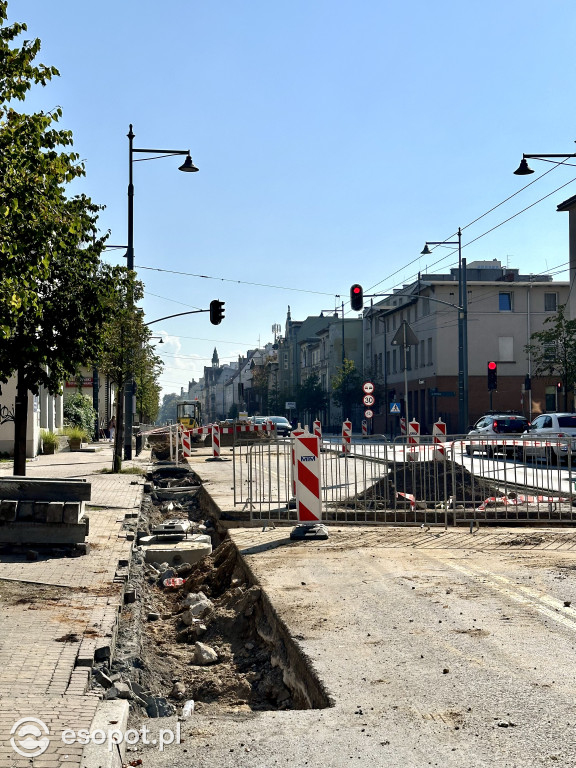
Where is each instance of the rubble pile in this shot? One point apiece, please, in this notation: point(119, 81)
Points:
point(193, 637)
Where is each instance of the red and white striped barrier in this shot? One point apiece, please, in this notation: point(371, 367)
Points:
point(364, 428)
point(402, 425)
point(414, 433)
point(186, 444)
point(413, 439)
point(439, 438)
point(216, 440)
point(308, 485)
point(346, 436)
point(317, 429)
point(295, 434)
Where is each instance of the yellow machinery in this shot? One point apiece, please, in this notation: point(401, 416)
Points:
point(189, 413)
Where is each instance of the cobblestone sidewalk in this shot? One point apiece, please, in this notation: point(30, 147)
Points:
point(57, 613)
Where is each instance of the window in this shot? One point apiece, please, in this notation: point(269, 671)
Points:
point(425, 306)
point(409, 359)
point(422, 354)
point(285, 361)
point(394, 364)
point(550, 302)
point(429, 351)
point(388, 361)
point(380, 362)
point(416, 356)
point(505, 302)
point(506, 348)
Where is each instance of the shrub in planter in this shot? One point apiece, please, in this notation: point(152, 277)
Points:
point(50, 441)
point(76, 436)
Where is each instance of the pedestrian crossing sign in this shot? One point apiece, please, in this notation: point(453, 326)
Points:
point(394, 407)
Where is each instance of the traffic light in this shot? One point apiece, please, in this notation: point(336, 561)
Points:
point(216, 311)
point(356, 298)
point(492, 375)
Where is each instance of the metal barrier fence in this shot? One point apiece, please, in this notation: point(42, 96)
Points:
point(463, 481)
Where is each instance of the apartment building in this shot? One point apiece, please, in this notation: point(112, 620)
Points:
point(504, 309)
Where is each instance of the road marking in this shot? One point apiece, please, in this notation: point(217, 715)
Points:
point(545, 604)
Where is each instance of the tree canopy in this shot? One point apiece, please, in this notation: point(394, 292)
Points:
point(553, 351)
point(53, 287)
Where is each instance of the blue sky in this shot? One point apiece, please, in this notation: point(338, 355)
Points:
point(333, 139)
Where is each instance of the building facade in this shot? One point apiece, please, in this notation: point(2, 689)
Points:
point(504, 309)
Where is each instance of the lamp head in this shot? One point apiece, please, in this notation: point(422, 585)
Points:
point(188, 165)
point(426, 251)
point(523, 169)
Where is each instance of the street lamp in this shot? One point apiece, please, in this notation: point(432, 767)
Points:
point(462, 330)
point(187, 166)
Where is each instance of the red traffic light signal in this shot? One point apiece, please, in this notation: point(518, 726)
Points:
point(357, 298)
point(492, 375)
point(216, 311)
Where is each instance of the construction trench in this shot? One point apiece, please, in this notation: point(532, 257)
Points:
point(199, 637)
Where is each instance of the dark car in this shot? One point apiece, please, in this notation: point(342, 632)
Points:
point(283, 426)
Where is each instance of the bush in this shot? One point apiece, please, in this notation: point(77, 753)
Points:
point(49, 438)
point(78, 411)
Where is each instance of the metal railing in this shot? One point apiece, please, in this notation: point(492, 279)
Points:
point(463, 481)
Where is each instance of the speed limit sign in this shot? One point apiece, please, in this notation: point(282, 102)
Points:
point(368, 399)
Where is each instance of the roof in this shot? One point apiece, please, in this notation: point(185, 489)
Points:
point(567, 204)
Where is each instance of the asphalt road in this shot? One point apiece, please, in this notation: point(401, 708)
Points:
point(438, 649)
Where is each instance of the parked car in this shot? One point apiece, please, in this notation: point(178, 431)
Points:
point(283, 426)
point(549, 436)
point(494, 426)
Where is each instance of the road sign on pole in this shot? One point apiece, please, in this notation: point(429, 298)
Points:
point(368, 400)
point(368, 387)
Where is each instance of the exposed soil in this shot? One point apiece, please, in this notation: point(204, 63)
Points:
point(256, 666)
point(430, 480)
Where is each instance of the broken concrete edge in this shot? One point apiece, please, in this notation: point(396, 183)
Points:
point(299, 667)
point(110, 715)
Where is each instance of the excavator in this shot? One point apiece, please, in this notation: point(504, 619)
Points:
point(189, 413)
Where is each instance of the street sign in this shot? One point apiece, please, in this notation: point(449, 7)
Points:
point(368, 387)
point(368, 413)
point(290, 406)
point(394, 407)
point(368, 399)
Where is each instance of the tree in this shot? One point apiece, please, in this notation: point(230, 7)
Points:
point(148, 387)
point(259, 386)
point(125, 352)
point(553, 351)
point(168, 408)
point(52, 280)
point(311, 398)
point(346, 387)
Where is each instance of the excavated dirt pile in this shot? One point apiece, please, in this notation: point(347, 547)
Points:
point(430, 481)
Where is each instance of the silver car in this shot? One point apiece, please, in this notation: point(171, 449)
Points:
point(551, 436)
point(495, 433)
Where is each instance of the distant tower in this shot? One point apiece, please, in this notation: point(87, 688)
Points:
point(215, 359)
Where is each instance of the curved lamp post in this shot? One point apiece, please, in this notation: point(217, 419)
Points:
point(188, 167)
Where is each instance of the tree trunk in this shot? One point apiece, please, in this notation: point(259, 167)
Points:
point(119, 433)
point(20, 425)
